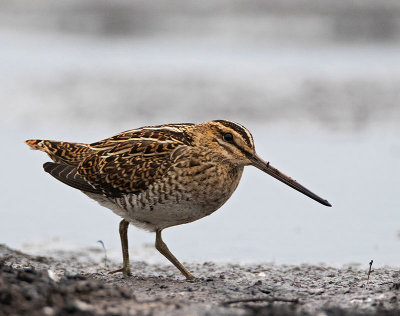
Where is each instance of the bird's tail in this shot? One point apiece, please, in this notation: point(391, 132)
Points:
point(61, 152)
point(35, 144)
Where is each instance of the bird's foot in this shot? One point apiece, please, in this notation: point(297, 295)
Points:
point(125, 271)
point(190, 277)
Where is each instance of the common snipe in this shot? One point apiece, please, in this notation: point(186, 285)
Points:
point(161, 176)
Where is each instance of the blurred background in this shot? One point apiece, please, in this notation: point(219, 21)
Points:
point(317, 83)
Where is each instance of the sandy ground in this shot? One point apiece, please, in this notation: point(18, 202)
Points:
point(72, 283)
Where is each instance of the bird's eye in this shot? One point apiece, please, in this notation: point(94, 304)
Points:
point(228, 137)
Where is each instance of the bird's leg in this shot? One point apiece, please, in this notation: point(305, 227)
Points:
point(123, 232)
point(163, 249)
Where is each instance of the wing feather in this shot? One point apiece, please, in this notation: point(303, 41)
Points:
point(68, 175)
point(131, 161)
point(125, 163)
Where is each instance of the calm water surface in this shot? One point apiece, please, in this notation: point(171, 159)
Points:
point(263, 221)
point(97, 87)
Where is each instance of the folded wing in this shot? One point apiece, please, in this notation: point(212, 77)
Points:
point(125, 163)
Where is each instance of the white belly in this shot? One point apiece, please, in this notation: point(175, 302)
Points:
point(152, 211)
point(154, 216)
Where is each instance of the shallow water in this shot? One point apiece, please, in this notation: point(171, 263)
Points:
point(326, 115)
point(51, 79)
point(263, 221)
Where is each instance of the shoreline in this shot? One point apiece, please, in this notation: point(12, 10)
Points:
point(74, 283)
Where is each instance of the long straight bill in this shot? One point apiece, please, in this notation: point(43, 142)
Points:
point(267, 168)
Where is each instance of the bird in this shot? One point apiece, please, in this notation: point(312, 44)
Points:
point(156, 177)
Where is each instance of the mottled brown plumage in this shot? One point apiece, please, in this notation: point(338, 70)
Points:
point(160, 176)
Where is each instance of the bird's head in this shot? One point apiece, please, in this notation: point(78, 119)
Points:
point(233, 143)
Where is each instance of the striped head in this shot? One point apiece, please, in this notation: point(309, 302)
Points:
point(230, 141)
point(234, 143)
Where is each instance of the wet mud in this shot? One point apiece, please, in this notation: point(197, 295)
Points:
point(71, 283)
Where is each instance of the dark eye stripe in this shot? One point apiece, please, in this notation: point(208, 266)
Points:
point(245, 152)
point(237, 128)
